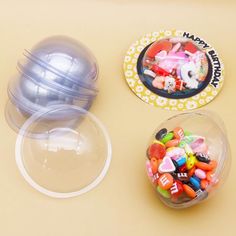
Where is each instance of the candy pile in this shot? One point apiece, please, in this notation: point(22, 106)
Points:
point(179, 166)
point(175, 64)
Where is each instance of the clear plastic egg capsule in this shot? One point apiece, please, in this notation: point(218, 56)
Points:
point(188, 158)
point(57, 71)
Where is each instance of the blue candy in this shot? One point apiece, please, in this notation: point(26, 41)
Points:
point(181, 161)
point(195, 182)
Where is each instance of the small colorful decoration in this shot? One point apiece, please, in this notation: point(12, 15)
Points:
point(174, 70)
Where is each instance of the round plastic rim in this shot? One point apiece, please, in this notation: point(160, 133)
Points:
point(34, 58)
point(27, 73)
point(32, 183)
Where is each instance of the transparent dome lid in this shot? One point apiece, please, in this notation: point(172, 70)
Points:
point(64, 157)
point(71, 63)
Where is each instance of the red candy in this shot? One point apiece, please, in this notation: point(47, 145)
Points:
point(159, 46)
point(159, 71)
point(157, 150)
point(176, 189)
point(183, 168)
point(190, 47)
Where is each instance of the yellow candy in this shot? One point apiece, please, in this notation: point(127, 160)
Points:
point(188, 150)
point(190, 162)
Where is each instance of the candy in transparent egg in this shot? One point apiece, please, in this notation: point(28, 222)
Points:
point(188, 158)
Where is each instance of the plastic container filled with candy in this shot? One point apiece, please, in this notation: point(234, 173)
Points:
point(175, 65)
point(188, 157)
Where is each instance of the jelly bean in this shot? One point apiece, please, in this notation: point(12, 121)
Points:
point(181, 161)
point(189, 191)
point(202, 157)
point(191, 171)
point(182, 144)
point(163, 192)
point(191, 162)
point(166, 165)
point(188, 150)
point(204, 166)
point(149, 168)
point(167, 137)
point(213, 164)
point(156, 47)
point(165, 181)
point(200, 173)
point(183, 177)
point(209, 176)
point(182, 168)
point(195, 182)
point(157, 150)
point(195, 177)
point(178, 133)
point(172, 143)
point(176, 189)
point(204, 184)
point(154, 165)
point(161, 134)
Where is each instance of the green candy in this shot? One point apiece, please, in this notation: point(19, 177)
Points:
point(167, 137)
point(188, 139)
point(182, 144)
point(163, 192)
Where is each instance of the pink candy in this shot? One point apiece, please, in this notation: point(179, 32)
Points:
point(200, 174)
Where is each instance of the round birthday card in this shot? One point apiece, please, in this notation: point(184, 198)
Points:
point(174, 70)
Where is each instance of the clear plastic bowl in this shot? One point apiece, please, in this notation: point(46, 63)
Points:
point(36, 95)
point(28, 96)
point(46, 75)
point(67, 58)
point(170, 166)
point(67, 160)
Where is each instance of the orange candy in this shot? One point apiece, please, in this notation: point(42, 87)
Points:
point(191, 171)
point(172, 143)
point(209, 176)
point(178, 133)
point(189, 191)
point(213, 164)
point(154, 165)
point(204, 184)
point(204, 166)
point(165, 181)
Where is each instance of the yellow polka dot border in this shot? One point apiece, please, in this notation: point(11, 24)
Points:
point(136, 85)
